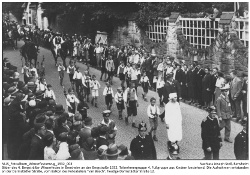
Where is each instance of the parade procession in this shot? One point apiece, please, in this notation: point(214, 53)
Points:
point(175, 89)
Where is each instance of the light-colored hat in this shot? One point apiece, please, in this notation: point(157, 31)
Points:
point(226, 87)
point(172, 95)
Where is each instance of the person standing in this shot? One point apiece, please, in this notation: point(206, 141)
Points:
point(210, 134)
point(95, 86)
point(37, 143)
point(224, 112)
point(241, 142)
point(71, 70)
point(121, 73)
point(77, 77)
point(214, 77)
point(199, 76)
point(109, 95)
point(206, 88)
point(142, 146)
point(25, 72)
point(190, 83)
point(98, 53)
point(153, 112)
point(145, 84)
point(245, 95)
point(61, 70)
point(71, 101)
point(119, 102)
point(235, 92)
point(220, 82)
point(130, 99)
point(110, 67)
point(110, 124)
point(184, 84)
point(173, 120)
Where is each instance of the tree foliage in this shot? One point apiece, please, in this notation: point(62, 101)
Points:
point(14, 8)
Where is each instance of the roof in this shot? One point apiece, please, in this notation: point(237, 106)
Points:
point(173, 17)
point(226, 17)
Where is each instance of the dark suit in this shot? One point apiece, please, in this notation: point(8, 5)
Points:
point(24, 150)
point(213, 82)
point(59, 130)
point(84, 134)
point(241, 146)
point(178, 76)
point(210, 134)
point(235, 92)
point(143, 149)
point(184, 85)
point(101, 141)
point(198, 89)
point(190, 83)
point(36, 149)
point(244, 98)
point(206, 84)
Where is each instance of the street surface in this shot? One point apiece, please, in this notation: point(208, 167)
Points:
point(190, 146)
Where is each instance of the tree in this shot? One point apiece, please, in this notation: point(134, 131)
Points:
point(14, 8)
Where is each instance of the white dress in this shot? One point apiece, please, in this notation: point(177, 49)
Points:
point(173, 118)
point(49, 154)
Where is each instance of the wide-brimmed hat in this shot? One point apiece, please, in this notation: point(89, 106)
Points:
point(124, 150)
point(211, 110)
point(12, 90)
point(226, 87)
point(106, 113)
point(112, 150)
point(101, 150)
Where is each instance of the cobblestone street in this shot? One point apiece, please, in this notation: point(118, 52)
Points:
point(191, 144)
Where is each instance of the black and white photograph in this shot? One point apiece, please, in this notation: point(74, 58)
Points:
point(125, 81)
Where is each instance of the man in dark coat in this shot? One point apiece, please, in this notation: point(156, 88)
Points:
point(184, 84)
point(210, 134)
point(178, 74)
point(142, 146)
point(206, 88)
point(171, 86)
point(85, 132)
point(198, 79)
point(190, 83)
point(37, 145)
point(214, 77)
point(102, 140)
point(17, 118)
point(241, 142)
point(244, 92)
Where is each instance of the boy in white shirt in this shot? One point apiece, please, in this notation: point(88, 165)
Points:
point(49, 93)
point(71, 101)
point(78, 81)
point(119, 102)
point(109, 95)
point(95, 85)
point(61, 70)
point(145, 84)
point(153, 112)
